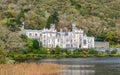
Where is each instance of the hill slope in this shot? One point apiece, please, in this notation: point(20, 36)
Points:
point(99, 18)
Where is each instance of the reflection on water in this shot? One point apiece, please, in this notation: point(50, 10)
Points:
point(87, 66)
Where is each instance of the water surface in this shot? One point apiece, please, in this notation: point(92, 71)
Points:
point(87, 66)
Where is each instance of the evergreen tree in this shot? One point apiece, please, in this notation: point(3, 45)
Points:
point(52, 19)
point(49, 21)
point(55, 18)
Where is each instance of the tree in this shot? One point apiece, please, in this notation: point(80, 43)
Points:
point(49, 21)
point(35, 44)
point(89, 33)
point(108, 35)
point(24, 37)
point(3, 55)
point(13, 24)
point(10, 40)
point(21, 15)
point(57, 50)
point(52, 19)
point(55, 18)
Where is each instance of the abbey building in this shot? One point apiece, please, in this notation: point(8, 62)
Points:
point(50, 38)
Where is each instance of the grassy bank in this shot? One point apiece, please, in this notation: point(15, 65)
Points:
point(30, 69)
point(62, 55)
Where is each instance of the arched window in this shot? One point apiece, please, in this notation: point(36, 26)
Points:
point(40, 34)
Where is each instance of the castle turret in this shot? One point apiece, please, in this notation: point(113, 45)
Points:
point(74, 27)
point(52, 27)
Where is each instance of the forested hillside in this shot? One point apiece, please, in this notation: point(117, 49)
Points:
point(99, 18)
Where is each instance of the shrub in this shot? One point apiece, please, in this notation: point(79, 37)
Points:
point(64, 55)
point(57, 50)
point(92, 51)
point(76, 52)
point(111, 23)
point(42, 51)
point(35, 44)
point(114, 52)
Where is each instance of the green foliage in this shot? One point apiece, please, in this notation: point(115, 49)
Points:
point(115, 45)
point(99, 18)
point(24, 37)
point(49, 21)
point(94, 16)
point(68, 52)
point(30, 43)
point(55, 18)
point(10, 40)
point(76, 52)
point(3, 56)
point(40, 44)
point(108, 36)
point(107, 51)
point(13, 24)
point(111, 23)
point(52, 19)
point(35, 44)
point(64, 55)
point(100, 55)
point(21, 14)
point(113, 51)
point(57, 50)
point(92, 51)
point(89, 33)
point(42, 50)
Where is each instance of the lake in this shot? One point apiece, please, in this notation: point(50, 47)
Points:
point(87, 66)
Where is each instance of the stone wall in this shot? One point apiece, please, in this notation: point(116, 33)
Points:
point(104, 49)
point(101, 44)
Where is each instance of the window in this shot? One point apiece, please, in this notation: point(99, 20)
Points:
point(66, 34)
point(36, 34)
point(44, 41)
point(40, 34)
point(67, 40)
point(58, 40)
point(79, 45)
point(30, 34)
point(67, 45)
point(44, 36)
point(84, 41)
